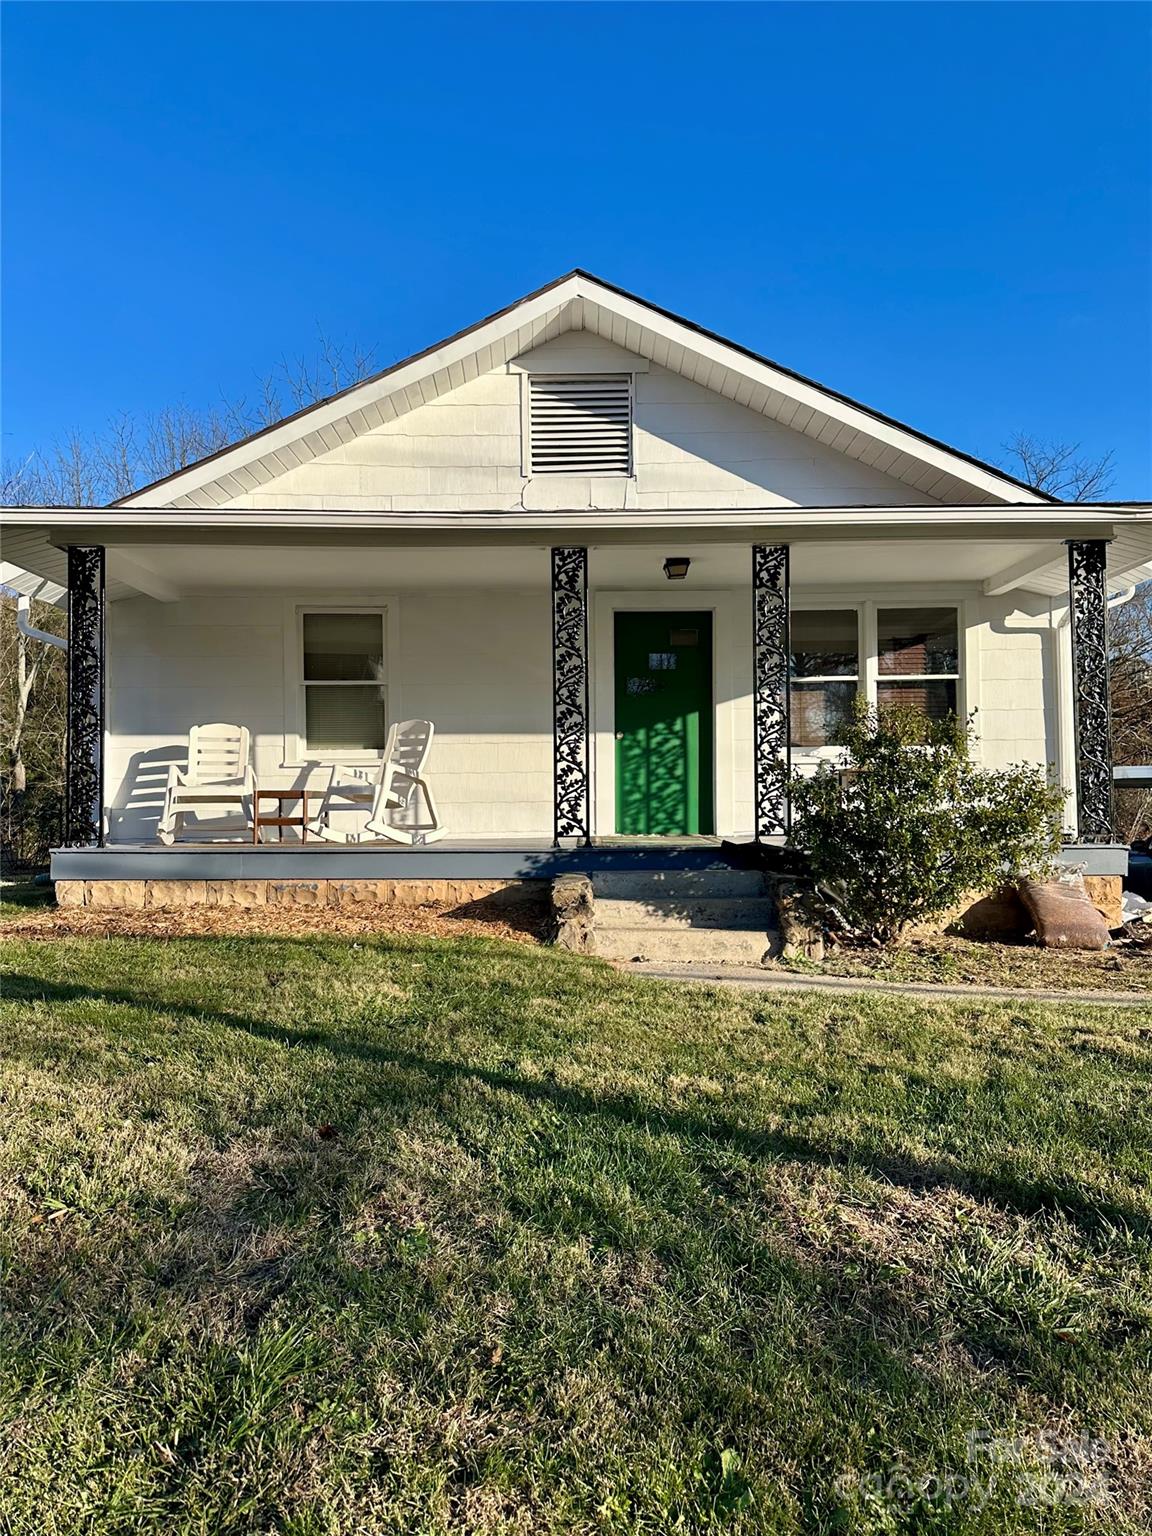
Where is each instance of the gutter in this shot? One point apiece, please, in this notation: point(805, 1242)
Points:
point(1019, 513)
point(167, 524)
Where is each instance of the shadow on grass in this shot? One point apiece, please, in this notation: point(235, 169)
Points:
point(26, 896)
point(1013, 1193)
point(786, 1324)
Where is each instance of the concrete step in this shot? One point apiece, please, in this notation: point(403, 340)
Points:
point(680, 884)
point(691, 912)
point(686, 946)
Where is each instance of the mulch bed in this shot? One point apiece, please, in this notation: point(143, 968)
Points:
point(1125, 966)
point(944, 959)
point(524, 924)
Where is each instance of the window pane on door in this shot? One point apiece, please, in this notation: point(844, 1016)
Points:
point(917, 640)
point(343, 647)
point(818, 711)
point(344, 719)
point(936, 699)
point(824, 643)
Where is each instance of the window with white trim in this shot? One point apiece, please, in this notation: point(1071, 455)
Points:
point(579, 424)
point(825, 672)
point(918, 659)
point(914, 660)
point(344, 680)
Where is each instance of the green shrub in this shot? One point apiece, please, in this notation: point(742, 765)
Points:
point(910, 823)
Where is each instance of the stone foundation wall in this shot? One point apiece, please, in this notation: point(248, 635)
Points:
point(144, 895)
point(1002, 915)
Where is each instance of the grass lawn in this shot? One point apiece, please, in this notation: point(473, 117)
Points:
point(413, 1235)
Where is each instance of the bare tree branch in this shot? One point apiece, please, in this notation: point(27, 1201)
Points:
point(1058, 469)
point(131, 452)
point(75, 470)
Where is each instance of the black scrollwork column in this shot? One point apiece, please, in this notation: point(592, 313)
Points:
point(84, 772)
point(1088, 601)
point(771, 725)
point(570, 693)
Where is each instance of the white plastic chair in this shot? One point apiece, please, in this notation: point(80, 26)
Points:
point(386, 791)
point(219, 774)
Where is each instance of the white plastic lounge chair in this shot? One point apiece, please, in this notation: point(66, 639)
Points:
point(386, 792)
point(219, 775)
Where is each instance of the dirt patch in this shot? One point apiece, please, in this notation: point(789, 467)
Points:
point(1125, 967)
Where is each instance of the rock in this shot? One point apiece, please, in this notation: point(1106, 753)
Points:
point(237, 893)
point(361, 893)
point(297, 893)
point(573, 911)
point(116, 895)
point(999, 914)
point(175, 893)
point(1106, 893)
point(801, 934)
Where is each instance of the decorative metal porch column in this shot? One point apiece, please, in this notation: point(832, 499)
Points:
point(771, 723)
point(572, 805)
point(84, 768)
point(1088, 605)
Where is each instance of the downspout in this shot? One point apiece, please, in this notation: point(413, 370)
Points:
point(23, 624)
point(1125, 595)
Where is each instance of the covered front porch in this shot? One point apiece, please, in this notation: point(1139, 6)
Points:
point(508, 632)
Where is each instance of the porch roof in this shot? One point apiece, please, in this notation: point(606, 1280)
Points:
point(161, 552)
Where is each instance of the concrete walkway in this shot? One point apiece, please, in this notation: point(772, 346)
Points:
point(755, 979)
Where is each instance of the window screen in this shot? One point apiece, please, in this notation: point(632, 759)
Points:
point(919, 659)
point(825, 673)
point(345, 698)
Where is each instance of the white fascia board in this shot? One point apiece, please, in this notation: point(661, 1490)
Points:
point(1019, 515)
point(805, 394)
point(1048, 520)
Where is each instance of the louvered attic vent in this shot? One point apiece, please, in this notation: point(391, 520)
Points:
point(580, 424)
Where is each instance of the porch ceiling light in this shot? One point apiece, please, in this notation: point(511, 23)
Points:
point(676, 567)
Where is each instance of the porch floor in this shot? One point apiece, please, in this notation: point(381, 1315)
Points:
point(503, 858)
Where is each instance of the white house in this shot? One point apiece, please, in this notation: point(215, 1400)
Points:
point(588, 540)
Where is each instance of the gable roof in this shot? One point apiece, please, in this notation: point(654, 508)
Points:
point(580, 301)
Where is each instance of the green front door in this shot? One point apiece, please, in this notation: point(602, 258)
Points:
point(664, 724)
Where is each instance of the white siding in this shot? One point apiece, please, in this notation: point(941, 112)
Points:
point(693, 449)
point(479, 665)
point(1015, 644)
point(486, 686)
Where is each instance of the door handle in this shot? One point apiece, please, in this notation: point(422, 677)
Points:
point(619, 735)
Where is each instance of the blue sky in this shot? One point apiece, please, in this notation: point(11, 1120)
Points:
point(941, 209)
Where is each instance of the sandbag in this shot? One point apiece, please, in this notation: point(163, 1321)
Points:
point(1062, 913)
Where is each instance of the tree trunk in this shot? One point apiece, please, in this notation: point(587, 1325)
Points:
point(25, 681)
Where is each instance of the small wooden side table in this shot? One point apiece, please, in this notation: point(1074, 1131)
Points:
point(280, 821)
